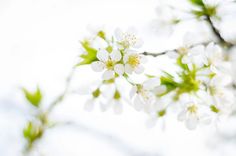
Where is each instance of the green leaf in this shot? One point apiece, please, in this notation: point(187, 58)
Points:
point(91, 54)
point(197, 2)
point(149, 76)
point(198, 13)
point(169, 83)
point(32, 132)
point(101, 34)
point(27, 130)
point(181, 64)
point(33, 97)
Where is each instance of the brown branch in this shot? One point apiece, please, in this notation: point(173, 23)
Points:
point(155, 54)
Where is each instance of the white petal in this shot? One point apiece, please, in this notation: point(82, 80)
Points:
point(189, 39)
point(130, 52)
point(138, 104)
point(186, 60)
point(117, 108)
point(115, 55)
point(109, 74)
point(160, 89)
point(138, 44)
point(128, 69)
point(197, 50)
point(103, 55)
point(119, 69)
point(151, 83)
point(182, 116)
point(133, 91)
point(206, 120)
point(126, 58)
point(191, 122)
point(210, 47)
point(89, 105)
point(98, 66)
point(139, 69)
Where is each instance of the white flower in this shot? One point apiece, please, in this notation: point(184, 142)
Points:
point(220, 8)
point(213, 56)
point(188, 40)
point(128, 39)
point(220, 94)
point(192, 114)
point(166, 20)
point(133, 62)
point(157, 112)
point(142, 95)
point(194, 56)
point(109, 62)
point(115, 103)
point(94, 99)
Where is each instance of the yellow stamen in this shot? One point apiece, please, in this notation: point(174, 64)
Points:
point(110, 64)
point(192, 109)
point(133, 60)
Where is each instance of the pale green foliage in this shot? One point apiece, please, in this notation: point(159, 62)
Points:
point(31, 133)
point(34, 98)
point(197, 2)
point(91, 53)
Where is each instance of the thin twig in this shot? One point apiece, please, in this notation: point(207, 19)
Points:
point(64, 93)
point(155, 54)
point(43, 120)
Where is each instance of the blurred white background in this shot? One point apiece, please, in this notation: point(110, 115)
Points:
point(39, 43)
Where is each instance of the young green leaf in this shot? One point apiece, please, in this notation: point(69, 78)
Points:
point(32, 132)
point(91, 54)
point(197, 2)
point(34, 98)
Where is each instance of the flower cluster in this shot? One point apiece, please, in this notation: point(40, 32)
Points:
point(200, 90)
point(115, 57)
point(119, 57)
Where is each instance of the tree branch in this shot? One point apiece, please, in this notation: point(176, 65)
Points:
point(173, 50)
point(217, 33)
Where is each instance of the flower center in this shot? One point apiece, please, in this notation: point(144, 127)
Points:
point(192, 109)
point(110, 64)
point(141, 91)
point(129, 40)
point(182, 50)
point(133, 60)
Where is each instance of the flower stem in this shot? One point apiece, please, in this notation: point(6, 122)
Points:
point(61, 97)
point(44, 123)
